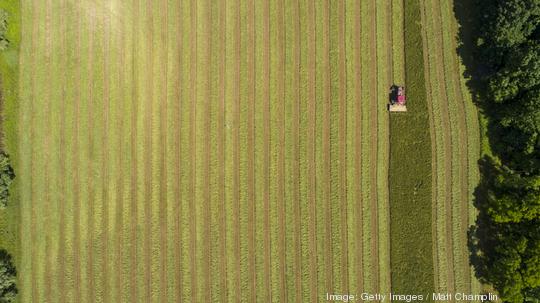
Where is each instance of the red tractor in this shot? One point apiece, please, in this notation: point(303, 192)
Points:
point(397, 99)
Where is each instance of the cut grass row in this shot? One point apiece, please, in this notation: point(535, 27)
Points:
point(462, 129)
point(472, 152)
point(367, 96)
point(384, 81)
point(155, 209)
point(410, 173)
point(441, 131)
point(353, 146)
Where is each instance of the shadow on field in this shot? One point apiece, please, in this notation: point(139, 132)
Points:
point(481, 234)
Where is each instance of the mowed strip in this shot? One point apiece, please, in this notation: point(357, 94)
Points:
point(442, 17)
point(441, 113)
point(272, 177)
point(434, 154)
point(374, 149)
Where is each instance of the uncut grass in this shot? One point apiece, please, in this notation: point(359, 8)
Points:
point(396, 18)
point(411, 219)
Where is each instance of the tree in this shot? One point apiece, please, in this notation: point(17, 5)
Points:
point(8, 274)
point(508, 52)
point(6, 178)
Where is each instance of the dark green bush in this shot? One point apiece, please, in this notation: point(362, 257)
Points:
point(8, 278)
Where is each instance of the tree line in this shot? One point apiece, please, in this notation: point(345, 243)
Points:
point(8, 273)
point(506, 78)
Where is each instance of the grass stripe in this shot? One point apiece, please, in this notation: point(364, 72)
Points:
point(384, 81)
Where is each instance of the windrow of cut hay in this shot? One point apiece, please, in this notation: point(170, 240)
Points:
point(410, 172)
point(455, 129)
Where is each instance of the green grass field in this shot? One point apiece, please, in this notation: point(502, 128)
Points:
point(224, 151)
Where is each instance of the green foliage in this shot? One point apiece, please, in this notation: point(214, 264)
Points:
point(4, 42)
point(509, 56)
point(8, 278)
point(513, 197)
point(6, 177)
point(515, 263)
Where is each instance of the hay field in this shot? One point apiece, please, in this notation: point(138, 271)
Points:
point(198, 151)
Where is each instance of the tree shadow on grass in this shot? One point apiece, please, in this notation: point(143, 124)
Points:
point(481, 234)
